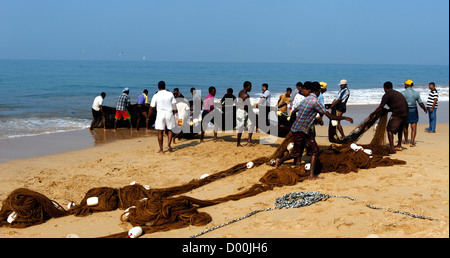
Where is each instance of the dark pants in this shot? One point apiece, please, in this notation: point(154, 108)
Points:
point(302, 140)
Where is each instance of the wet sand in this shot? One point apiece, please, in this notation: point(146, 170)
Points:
point(50, 144)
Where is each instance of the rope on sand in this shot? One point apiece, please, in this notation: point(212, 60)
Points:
point(303, 199)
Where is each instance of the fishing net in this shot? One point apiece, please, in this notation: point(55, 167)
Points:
point(158, 210)
point(358, 131)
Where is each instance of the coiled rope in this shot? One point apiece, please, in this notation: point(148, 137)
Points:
point(303, 199)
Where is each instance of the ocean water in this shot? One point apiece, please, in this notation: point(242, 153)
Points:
point(43, 97)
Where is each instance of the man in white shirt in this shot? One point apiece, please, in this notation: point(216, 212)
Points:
point(97, 110)
point(165, 104)
point(264, 101)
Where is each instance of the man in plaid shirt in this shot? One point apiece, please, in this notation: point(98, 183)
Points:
point(301, 129)
point(121, 109)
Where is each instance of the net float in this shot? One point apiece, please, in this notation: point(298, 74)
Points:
point(11, 217)
point(290, 146)
point(70, 205)
point(92, 201)
point(368, 152)
point(135, 232)
point(308, 166)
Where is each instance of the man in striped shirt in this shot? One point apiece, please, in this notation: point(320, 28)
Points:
point(432, 104)
point(341, 103)
point(301, 129)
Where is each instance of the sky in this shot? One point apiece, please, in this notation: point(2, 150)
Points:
point(282, 31)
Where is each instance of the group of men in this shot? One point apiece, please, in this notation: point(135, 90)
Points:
point(306, 103)
point(403, 106)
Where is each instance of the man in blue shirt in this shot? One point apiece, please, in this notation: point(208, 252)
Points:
point(412, 97)
point(142, 107)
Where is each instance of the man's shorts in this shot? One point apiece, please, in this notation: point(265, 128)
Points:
point(141, 109)
point(122, 114)
point(96, 114)
point(242, 120)
point(341, 107)
point(396, 124)
point(164, 119)
point(413, 116)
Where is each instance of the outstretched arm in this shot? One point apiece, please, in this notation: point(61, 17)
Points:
point(333, 117)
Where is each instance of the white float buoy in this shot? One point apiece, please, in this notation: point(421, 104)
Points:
point(128, 209)
point(250, 165)
point(92, 201)
point(11, 217)
point(147, 187)
point(290, 146)
point(368, 152)
point(308, 166)
point(71, 205)
point(126, 213)
point(204, 176)
point(273, 162)
point(72, 236)
point(135, 232)
point(354, 146)
point(334, 122)
point(57, 206)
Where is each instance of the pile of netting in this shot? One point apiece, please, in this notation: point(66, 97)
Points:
point(157, 210)
point(154, 210)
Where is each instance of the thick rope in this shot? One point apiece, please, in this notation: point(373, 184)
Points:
point(303, 199)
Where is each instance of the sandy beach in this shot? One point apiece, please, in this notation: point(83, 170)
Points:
point(420, 187)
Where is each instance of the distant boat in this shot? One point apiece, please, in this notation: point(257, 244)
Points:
point(143, 58)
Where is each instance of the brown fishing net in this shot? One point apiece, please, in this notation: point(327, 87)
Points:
point(158, 210)
point(30, 208)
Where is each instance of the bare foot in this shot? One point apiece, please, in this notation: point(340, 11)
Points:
point(160, 152)
point(239, 145)
point(169, 149)
point(398, 148)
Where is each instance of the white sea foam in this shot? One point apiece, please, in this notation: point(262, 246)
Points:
point(367, 96)
point(22, 127)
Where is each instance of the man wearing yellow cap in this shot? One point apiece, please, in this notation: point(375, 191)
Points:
point(412, 97)
point(323, 89)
